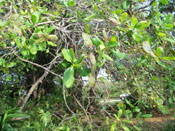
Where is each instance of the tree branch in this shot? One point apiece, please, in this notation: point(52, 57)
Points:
point(37, 83)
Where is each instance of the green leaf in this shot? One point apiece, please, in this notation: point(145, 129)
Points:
point(116, 117)
point(167, 26)
point(113, 42)
point(125, 127)
point(95, 7)
point(51, 43)
point(170, 100)
point(67, 55)
point(33, 51)
point(71, 3)
point(36, 36)
point(35, 17)
point(143, 24)
point(90, 17)
point(84, 71)
point(147, 115)
point(87, 39)
point(65, 3)
point(118, 11)
point(75, 118)
point(68, 77)
point(134, 21)
point(107, 57)
point(160, 63)
point(128, 121)
point(42, 46)
point(114, 126)
point(161, 34)
point(101, 46)
point(24, 52)
point(120, 112)
point(83, 56)
point(18, 115)
point(50, 29)
point(169, 58)
point(119, 54)
point(137, 37)
point(2, 62)
point(159, 51)
point(119, 65)
point(95, 41)
point(87, 28)
point(125, 4)
point(165, 2)
point(72, 54)
point(136, 127)
point(123, 16)
point(12, 64)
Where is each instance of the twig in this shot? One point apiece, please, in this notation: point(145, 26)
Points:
point(81, 107)
point(36, 84)
point(136, 10)
point(35, 64)
point(64, 96)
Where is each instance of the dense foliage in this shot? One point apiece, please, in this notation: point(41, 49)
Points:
point(70, 58)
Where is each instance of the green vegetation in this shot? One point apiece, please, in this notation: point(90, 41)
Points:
point(65, 63)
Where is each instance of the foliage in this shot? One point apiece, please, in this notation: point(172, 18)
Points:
point(47, 45)
point(10, 117)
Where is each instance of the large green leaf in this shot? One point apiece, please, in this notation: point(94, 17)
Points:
point(125, 4)
point(123, 16)
point(169, 58)
point(67, 55)
point(137, 37)
point(35, 17)
point(134, 21)
point(101, 46)
point(167, 26)
point(25, 52)
point(95, 41)
point(71, 3)
point(68, 77)
point(113, 42)
point(33, 51)
point(143, 24)
point(159, 51)
point(72, 54)
point(2, 62)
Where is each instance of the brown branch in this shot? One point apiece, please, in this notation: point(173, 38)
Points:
point(35, 64)
point(37, 83)
point(136, 10)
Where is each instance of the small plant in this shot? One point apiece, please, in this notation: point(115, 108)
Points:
point(10, 117)
point(125, 124)
point(45, 117)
